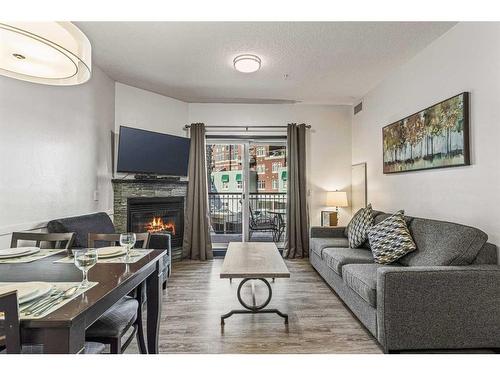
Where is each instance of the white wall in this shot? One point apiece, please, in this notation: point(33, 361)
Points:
point(329, 143)
point(467, 58)
point(55, 151)
point(146, 110)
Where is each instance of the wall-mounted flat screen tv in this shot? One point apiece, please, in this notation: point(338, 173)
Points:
point(146, 152)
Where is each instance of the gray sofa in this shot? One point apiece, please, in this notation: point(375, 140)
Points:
point(444, 295)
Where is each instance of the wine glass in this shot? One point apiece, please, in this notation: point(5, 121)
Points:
point(127, 240)
point(85, 259)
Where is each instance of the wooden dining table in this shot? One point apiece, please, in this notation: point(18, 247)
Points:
point(63, 330)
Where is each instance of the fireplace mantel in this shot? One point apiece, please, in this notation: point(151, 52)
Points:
point(124, 189)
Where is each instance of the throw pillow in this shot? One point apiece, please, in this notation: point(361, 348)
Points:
point(391, 239)
point(359, 226)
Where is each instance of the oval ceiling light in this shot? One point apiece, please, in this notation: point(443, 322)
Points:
point(247, 63)
point(50, 53)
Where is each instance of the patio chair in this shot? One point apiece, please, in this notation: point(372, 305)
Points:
point(262, 223)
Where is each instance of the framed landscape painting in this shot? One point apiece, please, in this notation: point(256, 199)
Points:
point(436, 137)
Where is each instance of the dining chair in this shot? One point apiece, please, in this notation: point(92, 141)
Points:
point(126, 313)
point(113, 239)
point(55, 240)
point(10, 331)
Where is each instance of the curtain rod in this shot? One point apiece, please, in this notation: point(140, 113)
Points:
point(241, 128)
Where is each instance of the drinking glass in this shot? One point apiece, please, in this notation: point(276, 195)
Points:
point(127, 240)
point(85, 259)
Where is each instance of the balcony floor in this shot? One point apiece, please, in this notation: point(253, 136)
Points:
point(221, 240)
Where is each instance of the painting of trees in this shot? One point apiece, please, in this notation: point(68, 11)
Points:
point(433, 138)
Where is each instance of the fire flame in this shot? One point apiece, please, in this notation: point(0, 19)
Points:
point(157, 225)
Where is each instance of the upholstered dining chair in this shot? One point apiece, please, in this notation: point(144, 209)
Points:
point(126, 313)
point(54, 240)
point(10, 332)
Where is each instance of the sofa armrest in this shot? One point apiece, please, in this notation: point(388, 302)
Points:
point(327, 232)
point(443, 307)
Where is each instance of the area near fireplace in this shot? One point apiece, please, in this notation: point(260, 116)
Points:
point(157, 215)
point(151, 205)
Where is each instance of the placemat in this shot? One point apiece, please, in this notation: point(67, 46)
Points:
point(43, 253)
point(56, 303)
point(135, 255)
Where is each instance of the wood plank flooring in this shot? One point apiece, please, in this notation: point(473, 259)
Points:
point(196, 297)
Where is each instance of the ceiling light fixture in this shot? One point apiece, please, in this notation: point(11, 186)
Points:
point(247, 63)
point(51, 53)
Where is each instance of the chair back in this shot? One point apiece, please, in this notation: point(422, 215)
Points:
point(10, 333)
point(55, 240)
point(252, 223)
point(113, 239)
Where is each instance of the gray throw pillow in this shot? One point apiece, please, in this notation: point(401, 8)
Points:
point(359, 225)
point(390, 239)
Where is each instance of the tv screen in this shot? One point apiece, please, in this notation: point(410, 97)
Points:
point(142, 151)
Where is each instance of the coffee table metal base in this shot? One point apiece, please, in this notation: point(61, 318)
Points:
point(254, 308)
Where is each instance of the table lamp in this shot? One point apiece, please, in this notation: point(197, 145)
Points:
point(336, 199)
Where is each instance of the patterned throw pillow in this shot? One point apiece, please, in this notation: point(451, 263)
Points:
point(390, 239)
point(359, 225)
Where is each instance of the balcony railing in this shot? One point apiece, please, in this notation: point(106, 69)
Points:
point(226, 209)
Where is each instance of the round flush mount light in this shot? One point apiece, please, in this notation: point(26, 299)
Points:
point(51, 53)
point(247, 63)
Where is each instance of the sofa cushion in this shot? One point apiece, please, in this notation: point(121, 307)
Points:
point(317, 245)
point(359, 225)
point(441, 243)
point(488, 254)
point(362, 278)
point(82, 226)
point(336, 258)
point(390, 239)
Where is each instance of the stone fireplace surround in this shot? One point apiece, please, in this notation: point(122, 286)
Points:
point(126, 189)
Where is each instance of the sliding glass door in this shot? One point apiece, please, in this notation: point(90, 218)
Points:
point(226, 182)
point(247, 190)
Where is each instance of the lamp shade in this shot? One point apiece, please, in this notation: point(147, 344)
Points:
point(336, 199)
point(51, 53)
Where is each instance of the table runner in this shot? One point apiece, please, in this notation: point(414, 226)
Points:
point(135, 255)
point(43, 253)
point(56, 286)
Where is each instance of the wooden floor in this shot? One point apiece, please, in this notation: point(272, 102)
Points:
point(196, 297)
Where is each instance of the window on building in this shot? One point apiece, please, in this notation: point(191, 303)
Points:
point(261, 184)
point(261, 168)
point(261, 151)
point(275, 184)
point(276, 167)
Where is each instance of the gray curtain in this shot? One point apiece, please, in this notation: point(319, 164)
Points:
point(297, 240)
point(197, 243)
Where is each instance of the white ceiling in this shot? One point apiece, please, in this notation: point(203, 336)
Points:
point(326, 62)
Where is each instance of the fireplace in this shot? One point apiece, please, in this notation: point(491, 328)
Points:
point(157, 215)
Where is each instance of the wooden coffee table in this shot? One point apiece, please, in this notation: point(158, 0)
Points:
point(252, 261)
